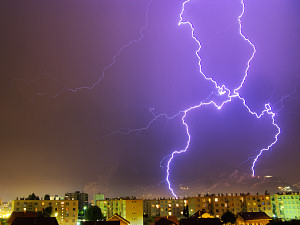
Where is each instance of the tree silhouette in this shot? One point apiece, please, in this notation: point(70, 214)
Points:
point(33, 197)
point(93, 213)
point(47, 197)
point(228, 217)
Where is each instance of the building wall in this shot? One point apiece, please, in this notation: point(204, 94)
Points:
point(82, 198)
point(240, 221)
point(129, 209)
point(65, 211)
point(218, 204)
point(286, 206)
point(164, 207)
point(259, 203)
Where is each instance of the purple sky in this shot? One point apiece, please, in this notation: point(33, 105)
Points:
point(54, 140)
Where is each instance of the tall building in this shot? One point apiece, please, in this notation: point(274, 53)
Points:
point(286, 206)
point(65, 211)
point(129, 208)
point(82, 198)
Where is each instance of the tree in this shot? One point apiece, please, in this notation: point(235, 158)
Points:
point(149, 220)
point(228, 217)
point(93, 213)
point(47, 212)
point(47, 197)
point(186, 211)
point(33, 197)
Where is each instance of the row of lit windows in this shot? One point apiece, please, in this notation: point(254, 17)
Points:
point(290, 202)
point(43, 203)
point(259, 209)
point(262, 203)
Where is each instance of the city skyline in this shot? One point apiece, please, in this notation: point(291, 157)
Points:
point(58, 136)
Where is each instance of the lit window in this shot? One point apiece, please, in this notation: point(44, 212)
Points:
point(216, 199)
point(170, 213)
point(43, 203)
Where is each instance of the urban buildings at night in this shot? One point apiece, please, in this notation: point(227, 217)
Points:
point(65, 211)
point(246, 207)
point(286, 206)
point(130, 209)
point(220, 203)
point(82, 198)
point(164, 207)
point(5, 209)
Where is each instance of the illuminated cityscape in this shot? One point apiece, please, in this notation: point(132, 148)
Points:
point(149, 112)
point(138, 211)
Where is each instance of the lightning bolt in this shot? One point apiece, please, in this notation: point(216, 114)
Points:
point(222, 90)
point(65, 88)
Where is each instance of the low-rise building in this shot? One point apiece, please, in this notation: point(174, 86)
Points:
point(65, 211)
point(249, 218)
point(37, 220)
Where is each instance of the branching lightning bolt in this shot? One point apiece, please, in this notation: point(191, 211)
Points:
point(104, 70)
point(222, 90)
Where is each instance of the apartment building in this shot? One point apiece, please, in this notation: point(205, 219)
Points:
point(165, 207)
point(259, 203)
point(82, 198)
point(65, 211)
point(218, 204)
point(286, 206)
point(130, 209)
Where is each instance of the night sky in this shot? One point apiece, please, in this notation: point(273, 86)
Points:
point(55, 140)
